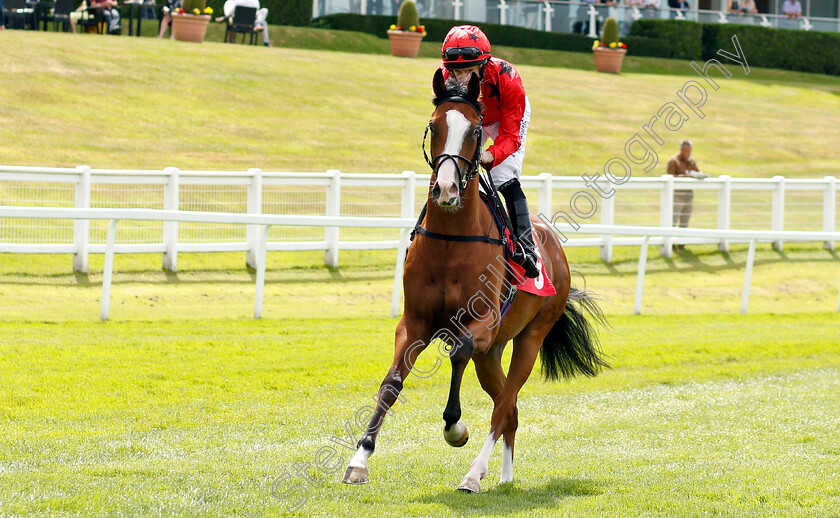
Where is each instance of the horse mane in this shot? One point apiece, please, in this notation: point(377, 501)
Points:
point(454, 89)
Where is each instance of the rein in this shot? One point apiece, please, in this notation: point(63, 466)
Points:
point(464, 179)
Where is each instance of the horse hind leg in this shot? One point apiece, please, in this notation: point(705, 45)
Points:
point(505, 418)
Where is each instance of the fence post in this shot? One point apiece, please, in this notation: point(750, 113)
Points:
point(262, 259)
point(829, 209)
point(640, 275)
point(171, 200)
point(108, 272)
point(406, 211)
point(745, 292)
point(666, 212)
point(252, 232)
point(607, 218)
point(544, 204)
point(724, 208)
point(81, 227)
point(333, 209)
point(778, 218)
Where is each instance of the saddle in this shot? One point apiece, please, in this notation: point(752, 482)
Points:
point(541, 285)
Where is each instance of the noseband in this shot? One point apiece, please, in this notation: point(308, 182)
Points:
point(436, 162)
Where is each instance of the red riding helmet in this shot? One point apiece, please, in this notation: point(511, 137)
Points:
point(465, 46)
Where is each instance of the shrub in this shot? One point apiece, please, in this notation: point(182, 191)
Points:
point(408, 17)
point(610, 33)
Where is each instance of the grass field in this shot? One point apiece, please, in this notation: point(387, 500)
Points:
point(183, 406)
point(142, 103)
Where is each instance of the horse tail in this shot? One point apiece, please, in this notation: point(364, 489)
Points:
point(571, 346)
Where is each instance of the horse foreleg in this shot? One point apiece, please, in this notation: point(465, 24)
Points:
point(407, 348)
point(455, 432)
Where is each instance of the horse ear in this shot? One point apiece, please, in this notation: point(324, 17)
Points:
point(438, 83)
point(474, 86)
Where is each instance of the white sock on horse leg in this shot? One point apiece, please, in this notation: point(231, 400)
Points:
point(359, 460)
point(481, 464)
point(507, 464)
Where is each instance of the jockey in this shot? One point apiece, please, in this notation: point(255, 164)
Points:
point(507, 113)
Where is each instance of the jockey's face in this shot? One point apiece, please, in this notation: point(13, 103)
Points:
point(463, 74)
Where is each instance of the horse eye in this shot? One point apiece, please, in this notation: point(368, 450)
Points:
point(477, 132)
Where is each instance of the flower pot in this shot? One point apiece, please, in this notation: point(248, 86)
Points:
point(405, 44)
point(609, 60)
point(190, 27)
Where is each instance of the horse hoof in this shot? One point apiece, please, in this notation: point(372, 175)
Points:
point(470, 485)
point(355, 475)
point(457, 435)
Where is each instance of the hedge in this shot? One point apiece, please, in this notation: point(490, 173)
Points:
point(763, 47)
point(681, 39)
point(505, 35)
point(776, 48)
point(280, 12)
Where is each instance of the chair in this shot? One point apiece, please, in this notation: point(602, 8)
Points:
point(61, 15)
point(92, 18)
point(18, 14)
point(244, 20)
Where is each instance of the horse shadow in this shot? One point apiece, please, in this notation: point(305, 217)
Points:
point(509, 497)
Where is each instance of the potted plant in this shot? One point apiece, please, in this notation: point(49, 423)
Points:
point(405, 36)
point(609, 52)
point(189, 23)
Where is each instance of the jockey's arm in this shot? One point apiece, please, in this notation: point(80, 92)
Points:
point(510, 125)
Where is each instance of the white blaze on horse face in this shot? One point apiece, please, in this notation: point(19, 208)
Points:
point(447, 177)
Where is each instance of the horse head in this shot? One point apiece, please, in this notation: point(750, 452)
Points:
point(455, 129)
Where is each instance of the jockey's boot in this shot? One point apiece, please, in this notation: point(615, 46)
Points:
point(524, 251)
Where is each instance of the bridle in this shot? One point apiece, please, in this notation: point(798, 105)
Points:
point(436, 162)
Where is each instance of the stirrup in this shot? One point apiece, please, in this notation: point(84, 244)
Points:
point(526, 261)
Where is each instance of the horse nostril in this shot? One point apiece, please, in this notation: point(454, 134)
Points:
point(436, 191)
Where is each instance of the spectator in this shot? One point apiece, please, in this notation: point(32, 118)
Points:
point(678, 4)
point(792, 9)
point(166, 20)
point(634, 3)
point(741, 6)
point(748, 7)
point(107, 9)
point(651, 4)
point(2, 18)
point(609, 3)
point(262, 15)
point(682, 165)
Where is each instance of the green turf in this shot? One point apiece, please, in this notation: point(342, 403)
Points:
point(143, 103)
point(708, 415)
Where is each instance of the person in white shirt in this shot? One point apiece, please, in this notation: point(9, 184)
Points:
point(652, 4)
point(262, 15)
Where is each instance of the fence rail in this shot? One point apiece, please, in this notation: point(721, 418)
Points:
point(776, 204)
point(264, 223)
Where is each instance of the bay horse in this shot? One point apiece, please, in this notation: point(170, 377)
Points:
point(452, 295)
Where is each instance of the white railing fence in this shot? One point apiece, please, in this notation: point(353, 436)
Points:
point(725, 203)
point(582, 17)
point(264, 223)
